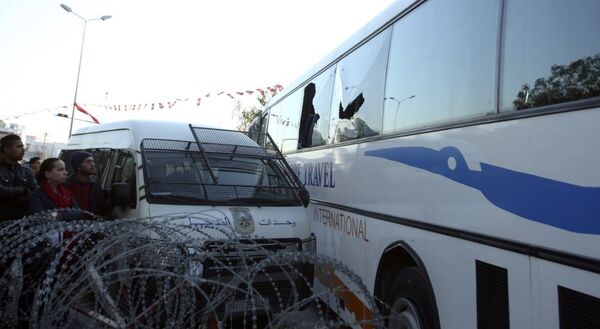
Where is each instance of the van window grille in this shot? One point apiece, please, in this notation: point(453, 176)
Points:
point(219, 166)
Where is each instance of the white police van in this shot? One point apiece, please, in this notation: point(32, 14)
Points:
point(156, 169)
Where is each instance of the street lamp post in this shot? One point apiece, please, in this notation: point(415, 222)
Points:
point(398, 105)
point(103, 18)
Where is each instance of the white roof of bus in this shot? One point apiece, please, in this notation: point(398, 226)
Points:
point(146, 129)
point(385, 16)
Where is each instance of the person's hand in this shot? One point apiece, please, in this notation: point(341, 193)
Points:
point(53, 215)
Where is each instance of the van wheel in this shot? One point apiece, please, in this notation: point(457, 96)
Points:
point(411, 303)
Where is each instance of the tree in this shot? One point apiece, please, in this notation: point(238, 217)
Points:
point(247, 114)
point(578, 80)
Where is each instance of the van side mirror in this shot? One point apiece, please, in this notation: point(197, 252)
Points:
point(120, 194)
point(304, 197)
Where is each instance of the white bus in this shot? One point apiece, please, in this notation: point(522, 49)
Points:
point(452, 153)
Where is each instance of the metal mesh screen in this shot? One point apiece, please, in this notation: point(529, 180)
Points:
point(578, 310)
point(242, 143)
point(492, 296)
point(214, 193)
point(234, 142)
point(232, 164)
point(239, 150)
point(224, 137)
point(169, 145)
point(205, 171)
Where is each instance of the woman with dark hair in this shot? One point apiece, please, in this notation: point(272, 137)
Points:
point(52, 193)
point(50, 196)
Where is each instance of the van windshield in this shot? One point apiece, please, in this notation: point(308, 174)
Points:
point(181, 175)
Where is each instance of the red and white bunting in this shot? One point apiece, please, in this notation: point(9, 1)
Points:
point(169, 104)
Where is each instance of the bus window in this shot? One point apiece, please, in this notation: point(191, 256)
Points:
point(442, 64)
point(358, 91)
point(316, 110)
point(284, 121)
point(562, 66)
point(308, 117)
point(264, 124)
point(274, 125)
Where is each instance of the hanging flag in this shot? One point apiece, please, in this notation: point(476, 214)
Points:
point(263, 93)
point(80, 109)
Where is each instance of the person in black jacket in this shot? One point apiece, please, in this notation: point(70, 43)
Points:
point(88, 193)
point(16, 181)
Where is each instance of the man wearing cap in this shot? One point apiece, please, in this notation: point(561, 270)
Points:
point(16, 181)
point(87, 191)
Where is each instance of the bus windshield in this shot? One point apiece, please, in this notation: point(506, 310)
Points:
point(187, 177)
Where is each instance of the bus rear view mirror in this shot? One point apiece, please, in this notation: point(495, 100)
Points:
point(304, 197)
point(120, 194)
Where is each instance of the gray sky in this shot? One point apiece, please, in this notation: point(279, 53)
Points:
point(157, 51)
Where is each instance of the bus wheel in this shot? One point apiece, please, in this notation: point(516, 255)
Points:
point(411, 306)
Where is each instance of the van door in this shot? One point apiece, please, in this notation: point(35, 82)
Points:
point(124, 171)
point(102, 157)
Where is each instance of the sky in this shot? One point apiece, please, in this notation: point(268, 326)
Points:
point(157, 51)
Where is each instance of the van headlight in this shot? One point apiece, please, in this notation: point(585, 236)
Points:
point(310, 244)
point(195, 264)
point(242, 221)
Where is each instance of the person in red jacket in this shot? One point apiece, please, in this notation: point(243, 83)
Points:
point(82, 183)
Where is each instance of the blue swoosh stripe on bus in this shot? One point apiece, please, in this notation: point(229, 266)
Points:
point(567, 206)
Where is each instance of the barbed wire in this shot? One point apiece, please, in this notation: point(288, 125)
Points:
point(162, 272)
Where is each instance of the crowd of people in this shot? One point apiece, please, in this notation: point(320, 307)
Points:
point(46, 187)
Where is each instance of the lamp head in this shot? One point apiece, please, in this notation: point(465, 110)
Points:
point(105, 17)
point(66, 8)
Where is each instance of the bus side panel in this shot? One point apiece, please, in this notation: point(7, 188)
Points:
point(582, 294)
point(416, 190)
point(528, 180)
